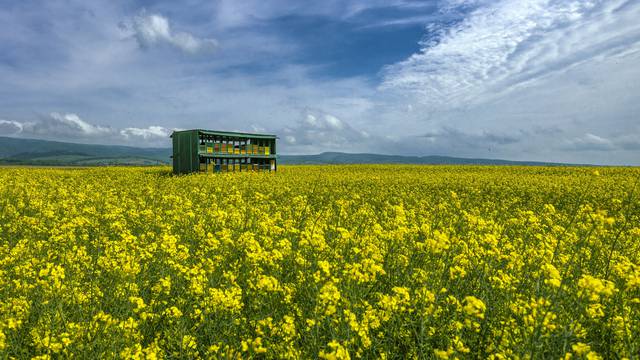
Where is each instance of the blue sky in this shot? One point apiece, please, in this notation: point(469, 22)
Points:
point(550, 80)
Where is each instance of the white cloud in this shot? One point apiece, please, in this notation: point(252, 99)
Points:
point(8, 127)
point(146, 133)
point(154, 29)
point(71, 123)
point(509, 43)
point(320, 131)
point(589, 142)
point(334, 122)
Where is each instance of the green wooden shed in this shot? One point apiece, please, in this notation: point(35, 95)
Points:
point(210, 151)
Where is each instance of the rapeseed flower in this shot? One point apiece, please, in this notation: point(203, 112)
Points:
point(335, 262)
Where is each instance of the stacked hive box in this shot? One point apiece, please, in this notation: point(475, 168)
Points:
point(214, 151)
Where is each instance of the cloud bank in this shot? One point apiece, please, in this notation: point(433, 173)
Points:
point(56, 126)
point(486, 85)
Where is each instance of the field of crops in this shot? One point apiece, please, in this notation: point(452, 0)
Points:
point(320, 261)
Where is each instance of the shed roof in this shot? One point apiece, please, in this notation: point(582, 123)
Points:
point(231, 134)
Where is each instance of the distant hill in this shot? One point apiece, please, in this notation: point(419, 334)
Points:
point(364, 158)
point(43, 152)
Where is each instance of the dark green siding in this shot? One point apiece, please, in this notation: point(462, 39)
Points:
point(185, 152)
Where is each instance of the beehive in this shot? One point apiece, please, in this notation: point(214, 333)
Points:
point(213, 151)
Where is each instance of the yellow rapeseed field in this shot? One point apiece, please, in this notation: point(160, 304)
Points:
point(334, 262)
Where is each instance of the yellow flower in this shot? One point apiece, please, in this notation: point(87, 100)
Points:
point(336, 352)
point(189, 342)
point(580, 348)
point(594, 287)
point(553, 275)
point(329, 297)
point(268, 283)
point(474, 307)
point(592, 355)
point(254, 345)
point(173, 312)
point(443, 354)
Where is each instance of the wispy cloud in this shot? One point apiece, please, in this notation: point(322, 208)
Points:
point(154, 29)
point(403, 21)
point(513, 65)
point(235, 14)
point(509, 43)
